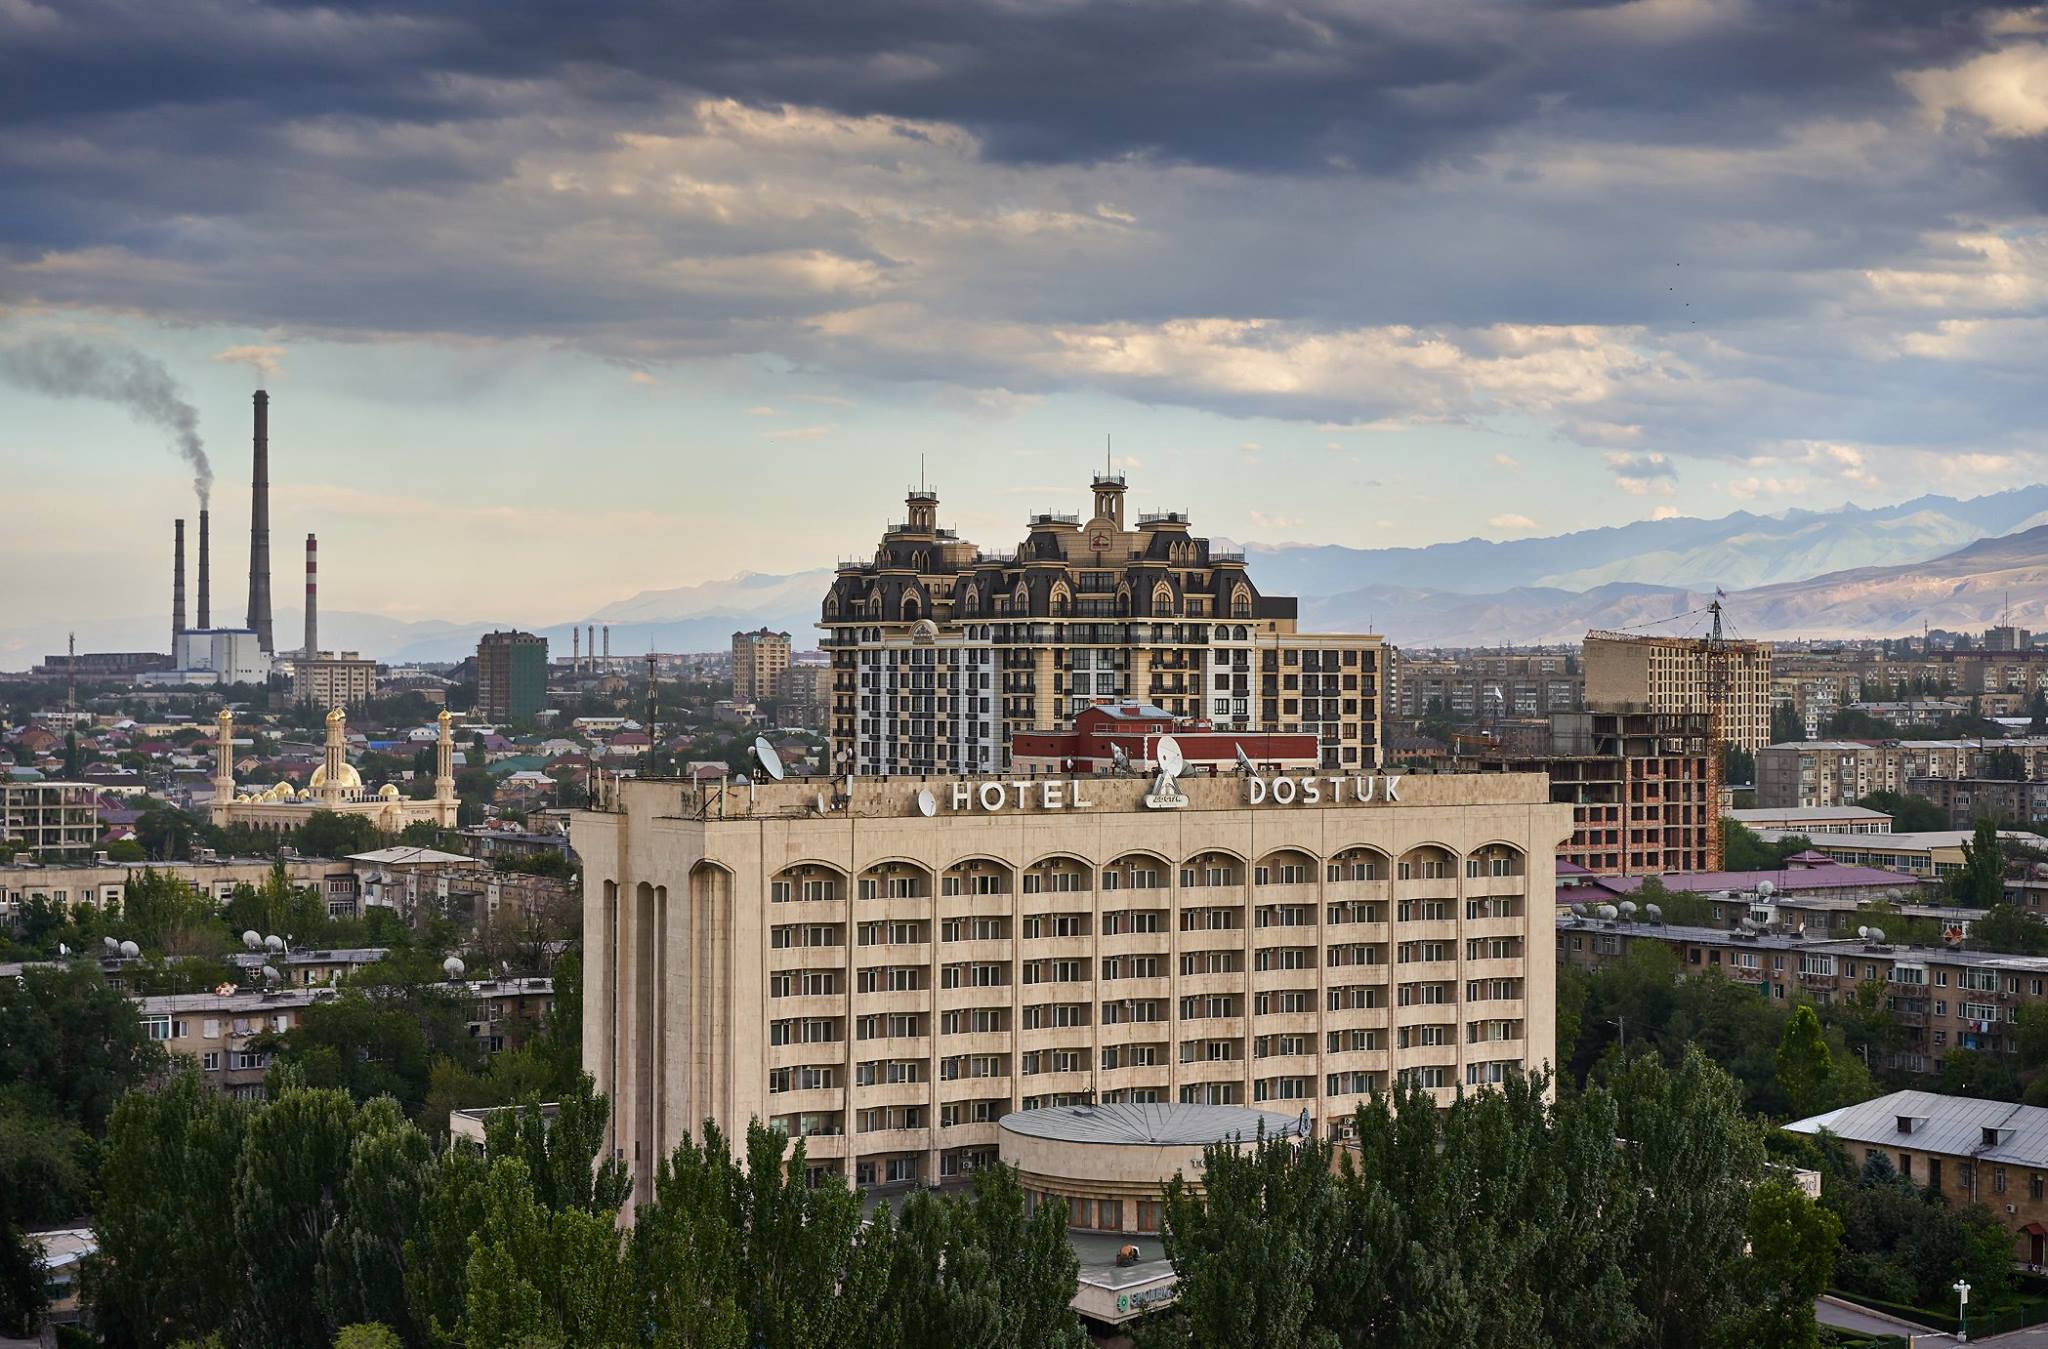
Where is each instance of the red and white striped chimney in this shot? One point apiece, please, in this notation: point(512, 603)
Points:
point(312, 597)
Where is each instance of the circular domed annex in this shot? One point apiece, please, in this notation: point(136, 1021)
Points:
point(1109, 1162)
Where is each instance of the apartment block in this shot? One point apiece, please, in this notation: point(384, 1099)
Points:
point(1806, 773)
point(888, 967)
point(1473, 684)
point(1684, 674)
point(942, 653)
point(760, 666)
point(1968, 800)
point(52, 820)
point(334, 679)
point(511, 676)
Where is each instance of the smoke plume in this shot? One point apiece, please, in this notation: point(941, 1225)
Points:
point(262, 360)
point(70, 367)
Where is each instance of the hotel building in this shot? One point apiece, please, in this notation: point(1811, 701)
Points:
point(760, 666)
point(942, 653)
point(889, 984)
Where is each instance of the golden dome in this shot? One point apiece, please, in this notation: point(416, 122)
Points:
point(351, 781)
point(389, 791)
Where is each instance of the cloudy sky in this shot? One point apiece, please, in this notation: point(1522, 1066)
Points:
point(564, 302)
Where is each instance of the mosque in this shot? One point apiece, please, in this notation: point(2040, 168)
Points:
point(335, 786)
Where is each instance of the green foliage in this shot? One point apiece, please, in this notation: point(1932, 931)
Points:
point(1981, 882)
point(1804, 1064)
point(2005, 764)
point(160, 911)
point(1910, 814)
point(72, 1040)
point(1786, 727)
point(288, 1193)
point(1906, 1245)
point(1738, 765)
point(1684, 908)
point(2010, 929)
point(548, 863)
point(1792, 1243)
point(1970, 1072)
point(127, 850)
point(368, 1335)
point(327, 834)
point(1308, 1244)
point(167, 1265)
point(1742, 850)
point(378, 1039)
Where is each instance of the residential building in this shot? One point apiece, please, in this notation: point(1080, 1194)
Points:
point(943, 653)
point(1811, 878)
point(1098, 733)
point(887, 968)
point(1930, 854)
point(224, 1036)
point(760, 666)
point(1684, 674)
point(1942, 998)
point(98, 884)
point(1806, 773)
point(1968, 800)
point(1815, 819)
point(511, 676)
point(56, 821)
point(1475, 684)
point(331, 679)
point(808, 701)
point(1967, 1150)
point(1643, 788)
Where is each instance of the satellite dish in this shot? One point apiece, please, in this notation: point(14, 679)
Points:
point(821, 804)
point(927, 804)
point(504, 967)
point(130, 949)
point(1654, 912)
point(62, 949)
point(1168, 756)
point(770, 761)
point(1120, 760)
point(271, 976)
point(1877, 935)
point(273, 944)
point(1608, 911)
point(1864, 933)
point(452, 967)
point(253, 940)
point(1764, 889)
point(113, 947)
point(1628, 908)
point(1579, 909)
point(1244, 763)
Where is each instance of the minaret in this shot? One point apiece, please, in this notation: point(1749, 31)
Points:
point(223, 766)
point(337, 756)
point(446, 806)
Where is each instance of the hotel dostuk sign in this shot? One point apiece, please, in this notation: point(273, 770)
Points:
point(1289, 789)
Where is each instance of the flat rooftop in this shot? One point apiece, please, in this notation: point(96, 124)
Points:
point(1164, 1124)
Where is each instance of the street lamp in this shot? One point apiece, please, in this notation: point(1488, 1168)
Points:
point(1962, 1288)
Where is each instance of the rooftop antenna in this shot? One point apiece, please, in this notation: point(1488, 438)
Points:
point(650, 707)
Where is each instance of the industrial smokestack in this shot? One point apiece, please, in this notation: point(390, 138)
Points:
point(259, 530)
point(178, 587)
point(607, 646)
point(590, 644)
point(575, 648)
point(205, 577)
point(312, 597)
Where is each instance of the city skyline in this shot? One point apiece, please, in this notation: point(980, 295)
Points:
point(643, 284)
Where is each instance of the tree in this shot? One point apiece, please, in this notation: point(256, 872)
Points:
point(1981, 882)
point(1970, 1072)
point(167, 1266)
point(162, 912)
point(1738, 765)
point(1786, 727)
point(2011, 930)
point(288, 1193)
point(2005, 764)
point(1742, 850)
point(1910, 814)
point(1804, 1063)
point(1792, 1243)
point(377, 1041)
point(72, 1040)
point(362, 1257)
point(2037, 713)
point(368, 1336)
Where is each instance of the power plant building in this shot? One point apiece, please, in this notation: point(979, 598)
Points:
point(943, 653)
point(511, 676)
point(887, 968)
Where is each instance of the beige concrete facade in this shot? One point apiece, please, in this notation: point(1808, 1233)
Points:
point(332, 679)
point(97, 886)
point(760, 666)
point(57, 821)
point(890, 984)
point(1676, 674)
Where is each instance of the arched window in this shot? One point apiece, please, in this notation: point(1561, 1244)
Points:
point(1162, 600)
point(911, 609)
point(1241, 602)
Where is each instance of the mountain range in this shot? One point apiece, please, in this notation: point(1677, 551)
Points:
point(1856, 571)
